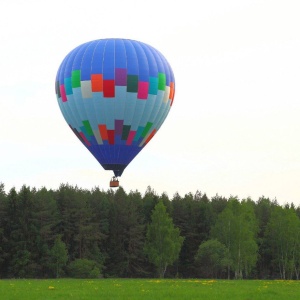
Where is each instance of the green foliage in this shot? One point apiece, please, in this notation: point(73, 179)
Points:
point(126, 235)
point(193, 215)
point(3, 254)
point(283, 237)
point(20, 232)
point(58, 257)
point(237, 228)
point(212, 258)
point(42, 230)
point(83, 268)
point(163, 240)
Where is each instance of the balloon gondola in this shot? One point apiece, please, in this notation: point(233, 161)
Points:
point(114, 182)
point(115, 94)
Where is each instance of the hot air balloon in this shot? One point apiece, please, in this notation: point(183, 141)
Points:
point(115, 94)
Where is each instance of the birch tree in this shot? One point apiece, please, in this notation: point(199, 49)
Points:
point(236, 228)
point(283, 240)
point(163, 240)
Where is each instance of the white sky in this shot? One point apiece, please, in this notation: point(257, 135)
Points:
point(234, 128)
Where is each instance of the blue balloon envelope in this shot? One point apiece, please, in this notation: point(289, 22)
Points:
point(115, 94)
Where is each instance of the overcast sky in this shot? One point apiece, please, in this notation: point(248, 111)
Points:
point(234, 128)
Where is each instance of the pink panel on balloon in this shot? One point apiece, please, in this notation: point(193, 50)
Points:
point(63, 93)
point(143, 88)
point(130, 137)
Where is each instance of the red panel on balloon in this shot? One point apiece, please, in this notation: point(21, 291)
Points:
point(111, 137)
point(109, 88)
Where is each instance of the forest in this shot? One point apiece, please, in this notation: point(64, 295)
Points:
point(75, 232)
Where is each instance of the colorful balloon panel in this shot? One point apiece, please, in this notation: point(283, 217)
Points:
point(115, 94)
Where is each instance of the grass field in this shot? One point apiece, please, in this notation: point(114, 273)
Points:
point(152, 289)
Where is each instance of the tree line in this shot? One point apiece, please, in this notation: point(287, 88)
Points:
point(77, 232)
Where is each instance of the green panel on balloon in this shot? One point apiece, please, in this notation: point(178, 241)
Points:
point(132, 83)
point(75, 79)
point(161, 81)
point(146, 129)
point(125, 132)
point(88, 127)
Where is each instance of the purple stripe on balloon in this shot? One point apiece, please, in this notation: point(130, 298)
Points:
point(121, 77)
point(118, 127)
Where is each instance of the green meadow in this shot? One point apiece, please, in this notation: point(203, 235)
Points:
point(132, 289)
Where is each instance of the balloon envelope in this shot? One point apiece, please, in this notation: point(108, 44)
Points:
point(115, 94)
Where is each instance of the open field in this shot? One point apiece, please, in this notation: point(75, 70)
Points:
point(132, 289)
